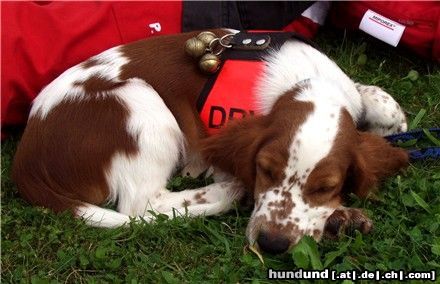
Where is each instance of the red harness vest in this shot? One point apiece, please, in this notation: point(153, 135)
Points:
point(232, 95)
point(231, 92)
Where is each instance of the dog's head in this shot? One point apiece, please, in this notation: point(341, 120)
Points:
point(298, 160)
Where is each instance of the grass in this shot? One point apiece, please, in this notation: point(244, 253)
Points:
point(41, 247)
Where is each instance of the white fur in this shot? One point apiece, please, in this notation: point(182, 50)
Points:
point(63, 87)
point(100, 217)
point(133, 179)
point(315, 137)
point(296, 61)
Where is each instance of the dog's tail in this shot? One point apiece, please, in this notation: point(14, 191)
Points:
point(93, 215)
point(30, 189)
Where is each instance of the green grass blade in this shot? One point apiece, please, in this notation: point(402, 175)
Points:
point(420, 201)
point(417, 119)
point(431, 137)
point(315, 258)
point(408, 143)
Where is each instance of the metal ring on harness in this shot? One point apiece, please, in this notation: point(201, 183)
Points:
point(218, 43)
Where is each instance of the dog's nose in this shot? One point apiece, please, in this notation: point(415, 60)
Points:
point(274, 244)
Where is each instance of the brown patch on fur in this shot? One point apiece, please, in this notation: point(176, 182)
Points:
point(59, 165)
point(96, 84)
point(280, 210)
point(234, 148)
point(374, 160)
point(89, 63)
point(199, 198)
point(293, 179)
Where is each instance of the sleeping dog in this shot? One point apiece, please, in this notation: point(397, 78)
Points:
point(115, 127)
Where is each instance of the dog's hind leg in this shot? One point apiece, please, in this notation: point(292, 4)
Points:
point(382, 114)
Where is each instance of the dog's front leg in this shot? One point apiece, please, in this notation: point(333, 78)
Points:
point(213, 199)
point(193, 129)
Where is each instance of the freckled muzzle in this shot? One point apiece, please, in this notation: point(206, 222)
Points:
point(276, 230)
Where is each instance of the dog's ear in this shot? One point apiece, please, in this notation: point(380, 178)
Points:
point(374, 159)
point(233, 148)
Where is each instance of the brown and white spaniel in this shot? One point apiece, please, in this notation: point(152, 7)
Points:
point(115, 127)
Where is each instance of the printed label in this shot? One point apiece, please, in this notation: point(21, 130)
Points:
point(382, 28)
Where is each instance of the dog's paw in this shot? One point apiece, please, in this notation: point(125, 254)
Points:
point(383, 115)
point(346, 220)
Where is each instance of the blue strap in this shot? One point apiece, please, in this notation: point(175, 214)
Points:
point(424, 153)
point(413, 134)
point(417, 154)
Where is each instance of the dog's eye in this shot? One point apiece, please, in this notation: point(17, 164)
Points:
point(326, 185)
point(323, 190)
point(326, 188)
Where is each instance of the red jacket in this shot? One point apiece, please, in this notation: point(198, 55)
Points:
point(40, 40)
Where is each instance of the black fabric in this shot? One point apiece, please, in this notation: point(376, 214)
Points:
point(241, 15)
point(277, 40)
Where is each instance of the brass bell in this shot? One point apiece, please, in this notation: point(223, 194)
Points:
point(206, 37)
point(209, 63)
point(195, 47)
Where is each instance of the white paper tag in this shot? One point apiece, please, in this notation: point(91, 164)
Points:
point(382, 28)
